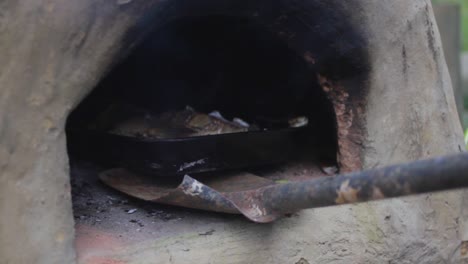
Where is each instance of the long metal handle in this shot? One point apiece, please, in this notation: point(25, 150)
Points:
point(423, 176)
point(268, 203)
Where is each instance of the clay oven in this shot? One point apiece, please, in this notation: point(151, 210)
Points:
point(369, 76)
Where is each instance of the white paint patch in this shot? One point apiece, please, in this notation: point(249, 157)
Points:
point(217, 114)
point(188, 165)
point(300, 121)
point(195, 189)
point(240, 122)
point(131, 211)
point(330, 170)
point(258, 210)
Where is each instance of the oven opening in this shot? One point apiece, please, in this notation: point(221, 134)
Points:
point(211, 97)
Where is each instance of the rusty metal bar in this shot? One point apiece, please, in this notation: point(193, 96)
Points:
point(263, 202)
point(424, 176)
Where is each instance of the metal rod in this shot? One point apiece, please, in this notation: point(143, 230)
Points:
point(424, 176)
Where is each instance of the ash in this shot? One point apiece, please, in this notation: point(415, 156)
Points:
point(96, 204)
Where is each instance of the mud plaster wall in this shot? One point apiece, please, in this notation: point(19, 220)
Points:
point(52, 54)
point(54, 51)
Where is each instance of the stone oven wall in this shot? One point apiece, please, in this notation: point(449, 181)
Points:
point(53, 52)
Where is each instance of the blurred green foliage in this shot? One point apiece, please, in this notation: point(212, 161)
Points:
point(466, 139)
point(464, 10)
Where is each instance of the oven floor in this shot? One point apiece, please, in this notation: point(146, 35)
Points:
point(112, 227)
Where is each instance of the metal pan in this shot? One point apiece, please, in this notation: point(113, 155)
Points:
point(180, 156)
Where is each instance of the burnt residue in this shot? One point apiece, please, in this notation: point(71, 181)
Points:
point(216, 63)
point(348, 120)
point(229, 64)
point(430, 33)
point(263, 58)
point(336, 51)
point(405, 63)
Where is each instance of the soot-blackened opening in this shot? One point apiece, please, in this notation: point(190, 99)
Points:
point(216, 63)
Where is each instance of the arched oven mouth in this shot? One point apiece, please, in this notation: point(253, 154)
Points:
point(210, 105)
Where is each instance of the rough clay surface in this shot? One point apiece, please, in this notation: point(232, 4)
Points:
point(52, 54)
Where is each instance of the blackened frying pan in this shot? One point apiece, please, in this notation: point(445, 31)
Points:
point(180, 156)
